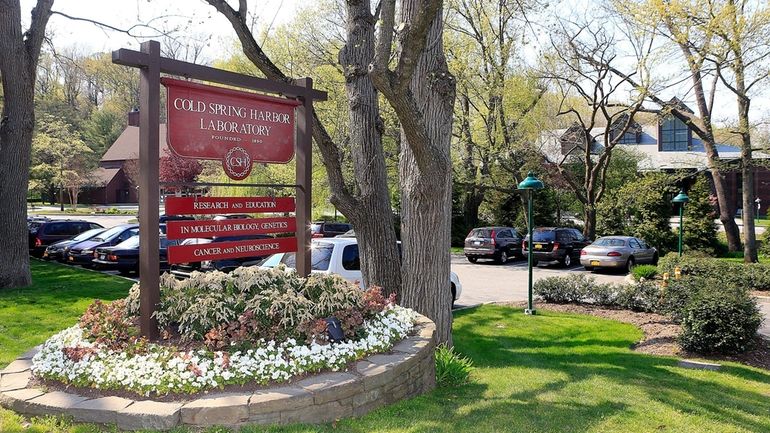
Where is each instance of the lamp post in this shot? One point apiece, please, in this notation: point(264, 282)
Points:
point(530, 184)
point(756, 216)
point(681, 198)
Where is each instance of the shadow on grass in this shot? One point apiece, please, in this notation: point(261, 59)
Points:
point(724, 396)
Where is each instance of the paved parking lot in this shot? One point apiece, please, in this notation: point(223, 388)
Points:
point(104, 220)
point(486, 281)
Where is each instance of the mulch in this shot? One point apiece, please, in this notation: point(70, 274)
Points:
point(660, 334)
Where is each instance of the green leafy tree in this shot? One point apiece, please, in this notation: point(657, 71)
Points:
point(646, 205)
point(60, 159)
point(700, 232)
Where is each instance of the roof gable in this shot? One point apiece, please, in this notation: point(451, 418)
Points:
point(126, 147)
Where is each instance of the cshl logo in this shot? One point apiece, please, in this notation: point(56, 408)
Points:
point(237, 163)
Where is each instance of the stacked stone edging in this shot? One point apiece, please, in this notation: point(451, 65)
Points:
point(406, 371)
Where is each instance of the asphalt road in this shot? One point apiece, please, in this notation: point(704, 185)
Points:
point(486, 281)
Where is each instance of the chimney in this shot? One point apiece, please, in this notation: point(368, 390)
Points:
point(133, 117)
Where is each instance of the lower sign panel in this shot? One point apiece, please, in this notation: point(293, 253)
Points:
point(230, 250)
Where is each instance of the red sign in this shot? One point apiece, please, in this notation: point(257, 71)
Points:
point(230, 227)
point(237, 128)
point(227, 205)
point(230, 250)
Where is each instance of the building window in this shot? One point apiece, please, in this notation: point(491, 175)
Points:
point(629, 138)
point(674, 135)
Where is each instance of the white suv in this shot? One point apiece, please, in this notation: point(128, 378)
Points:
point(340, 256)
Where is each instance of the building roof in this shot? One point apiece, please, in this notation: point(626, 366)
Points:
point(103, 176)
point(126, 147)
point(651, 158)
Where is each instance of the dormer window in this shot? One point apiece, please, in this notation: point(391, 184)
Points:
point(675, 136)
point(629, 138)
point(633, 131)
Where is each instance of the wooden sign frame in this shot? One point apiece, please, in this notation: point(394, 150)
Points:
point(151, 65)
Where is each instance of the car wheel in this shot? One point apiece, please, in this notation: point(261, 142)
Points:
point(655, 259)
point(125, 272)
point(567, 260)
point(454, 294)
point(502, 258)
point(473, 259)
point(534, 263)
point(630, 264)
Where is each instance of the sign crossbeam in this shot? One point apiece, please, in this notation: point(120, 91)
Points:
point(139, 59)
point(248, 185)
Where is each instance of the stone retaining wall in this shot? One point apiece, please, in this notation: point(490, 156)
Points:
point(408, 370)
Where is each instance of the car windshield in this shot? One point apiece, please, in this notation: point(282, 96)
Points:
point(320, 257)
point(610, 242)
point(544, 235)
point(480, 233)
point(86, 235)
point(196, 241)
point(129, 244)
point(110, 233)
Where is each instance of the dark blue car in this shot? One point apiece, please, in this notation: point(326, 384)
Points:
point(83, 253)
point(59, 250)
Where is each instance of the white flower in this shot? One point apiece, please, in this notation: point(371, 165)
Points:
point(160, 370)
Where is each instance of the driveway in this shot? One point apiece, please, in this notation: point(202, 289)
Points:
point(489, 282)
point(486, 281)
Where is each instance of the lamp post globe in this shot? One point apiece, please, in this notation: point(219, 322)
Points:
point(681, 199)
point(530, 184)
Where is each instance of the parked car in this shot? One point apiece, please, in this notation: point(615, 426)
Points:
point(44, 233)
point(326, 229)
point(183, 270)
point(555, 244)
point(124, 257)
point(618, 252)
point(340, 256)
point(165, 218)
point(496, 243)
point(83, 253)
point(58, 250)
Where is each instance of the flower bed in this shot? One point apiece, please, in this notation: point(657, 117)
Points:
point(259, 326)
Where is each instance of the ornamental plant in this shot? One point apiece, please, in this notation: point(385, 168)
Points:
point(251, 325)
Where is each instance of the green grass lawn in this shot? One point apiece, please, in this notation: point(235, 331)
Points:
point(55, 300)
point(548, 373)
point(762, 259)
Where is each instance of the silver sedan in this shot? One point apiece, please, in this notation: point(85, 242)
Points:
point(618, 252)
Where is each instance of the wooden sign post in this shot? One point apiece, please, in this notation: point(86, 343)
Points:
point(228, 130)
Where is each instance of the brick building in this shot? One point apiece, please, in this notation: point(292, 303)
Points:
point(113, 183)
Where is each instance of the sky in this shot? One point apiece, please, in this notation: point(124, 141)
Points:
point(194, 16)
point(202, 21)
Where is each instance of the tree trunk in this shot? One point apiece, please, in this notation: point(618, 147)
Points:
point(749, 235)
point(372, 215)
point(747, 166)
point(589, 219)
point(426, 184)
point(726, 212)
point(18, 62)
point(473, 199)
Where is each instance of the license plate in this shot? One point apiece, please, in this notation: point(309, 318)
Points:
point(45, 255)
point(595, 263)
point(70, 258)
point(101, 257)
point(476, 242)
point(538, 247)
